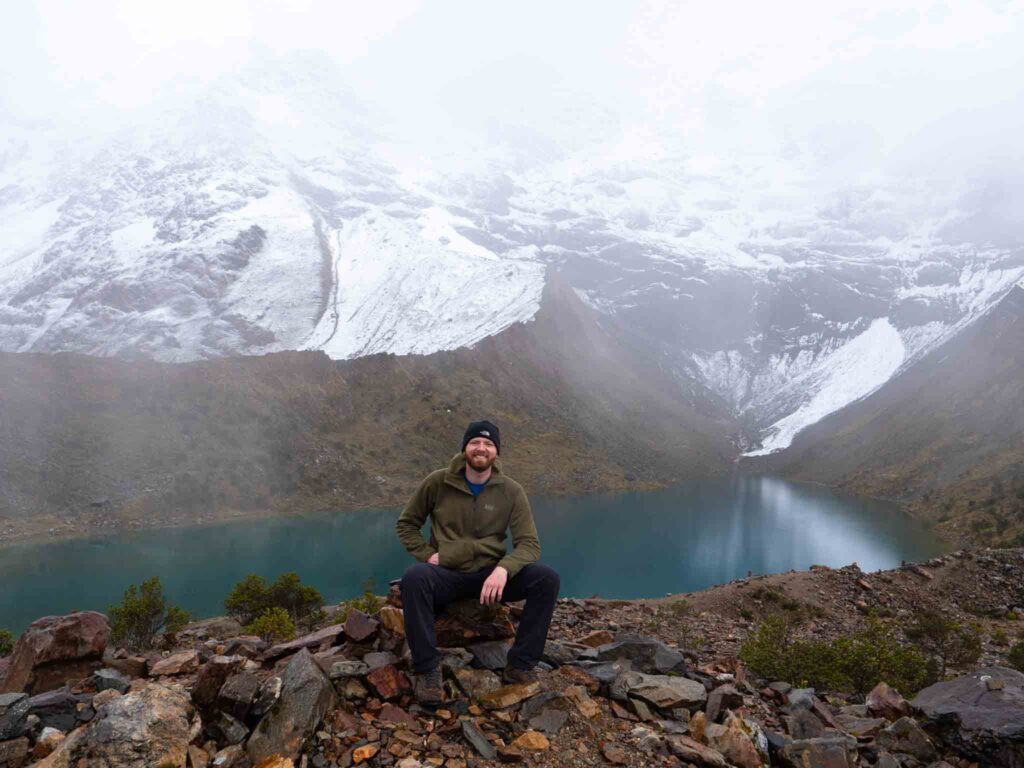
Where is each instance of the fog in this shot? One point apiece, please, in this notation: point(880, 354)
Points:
point(844, 90)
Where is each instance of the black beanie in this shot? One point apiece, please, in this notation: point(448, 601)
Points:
point(482, 429)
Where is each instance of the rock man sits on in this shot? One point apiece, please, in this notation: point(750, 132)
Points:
point(471, 504)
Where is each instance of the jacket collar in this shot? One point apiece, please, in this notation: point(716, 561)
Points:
point(453, 475)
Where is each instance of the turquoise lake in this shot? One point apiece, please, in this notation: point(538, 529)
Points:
point(621, 545)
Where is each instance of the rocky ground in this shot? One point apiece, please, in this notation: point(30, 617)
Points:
point(634, 683)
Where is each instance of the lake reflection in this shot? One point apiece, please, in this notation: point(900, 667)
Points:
point(616, 545)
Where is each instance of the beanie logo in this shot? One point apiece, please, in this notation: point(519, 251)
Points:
point(485, 433)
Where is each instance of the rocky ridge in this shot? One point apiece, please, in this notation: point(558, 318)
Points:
point(634, 683)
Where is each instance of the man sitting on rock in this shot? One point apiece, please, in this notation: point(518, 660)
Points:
point(471, 504)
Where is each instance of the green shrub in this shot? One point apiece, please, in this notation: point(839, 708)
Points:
point(6, 642)
point(999, 637)
point(1016, 656)
point(252, 597)
point(274, 625)
point(851, 664)
point(945, 641)
point(369, 603)
point(143, 614)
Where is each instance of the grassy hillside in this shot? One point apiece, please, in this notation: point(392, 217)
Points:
point(88, 443)
point(946, 437)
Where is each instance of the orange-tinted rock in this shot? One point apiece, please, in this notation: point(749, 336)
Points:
point(532, 740)
point(393, 619)
point(364, 753)
point(388, 681)
point(597, 638)
point(509, 695)
point(181, 663)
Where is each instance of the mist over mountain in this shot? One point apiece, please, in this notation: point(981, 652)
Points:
point(264, 211)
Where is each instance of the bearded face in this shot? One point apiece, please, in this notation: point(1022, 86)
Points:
point(480, 453)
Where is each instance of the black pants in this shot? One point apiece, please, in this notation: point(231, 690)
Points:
point(426, 589)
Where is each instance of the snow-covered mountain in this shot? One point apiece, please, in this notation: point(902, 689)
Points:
point(263, 212)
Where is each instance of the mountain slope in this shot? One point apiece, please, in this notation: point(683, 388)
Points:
point(944, 436)
point(88, 443)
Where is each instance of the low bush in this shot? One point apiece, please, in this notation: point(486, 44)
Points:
point(274, 625)
point(6, 642)
point(853, 664)
point(944, 641)
point(1016, 656)
point(143, 614)
point(252, 597)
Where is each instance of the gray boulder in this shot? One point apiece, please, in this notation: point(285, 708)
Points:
point(980, 716)
point(142, 729)
point(645, 653)
point(663, 691)
point(906, 737)
point(306, 696)
point(13, 715)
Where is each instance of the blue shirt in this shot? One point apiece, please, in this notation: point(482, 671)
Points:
point(475, 488)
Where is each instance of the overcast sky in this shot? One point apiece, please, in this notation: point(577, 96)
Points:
point(923, 83)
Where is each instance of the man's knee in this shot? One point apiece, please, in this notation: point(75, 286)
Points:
point(416, 576)
point(545, 577)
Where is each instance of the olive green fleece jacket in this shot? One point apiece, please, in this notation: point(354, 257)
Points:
point(468, 532)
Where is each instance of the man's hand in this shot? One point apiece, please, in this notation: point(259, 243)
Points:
point(494, 586)
point(434, 559)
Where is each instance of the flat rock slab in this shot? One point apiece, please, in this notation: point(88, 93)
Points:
point(490, 655)
point(509, 695)
point(975, 719)
point(663, 691)
point(472, 733)
point(181, 663)
point(326, 636)
point(645, 653)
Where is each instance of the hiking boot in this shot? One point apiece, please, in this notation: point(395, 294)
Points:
point(428, 688)
point(518, 676)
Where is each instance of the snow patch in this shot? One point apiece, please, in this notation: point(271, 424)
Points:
point(853, 371)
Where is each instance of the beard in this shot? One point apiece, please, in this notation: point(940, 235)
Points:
point(480, 463)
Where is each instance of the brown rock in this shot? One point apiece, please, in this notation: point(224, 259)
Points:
point(596, 638)
point(393, 714)
point(621, 712)
point(364, 753)
point(130, 666)
point(578, 676)
point(692, 751)
point(198, 757)
point(181, 663)
point(54, 650)
point(586, 705)
point(698, 722)
point(509, 695)
point(510, 754)
point(613, 753)
point(275, 761)
point(734, 743)
point(393, 619)
point(388, 681)
point(883, 701)
point(212, 676)
point(14, 752)
point(360, 627)
point(534, 741)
